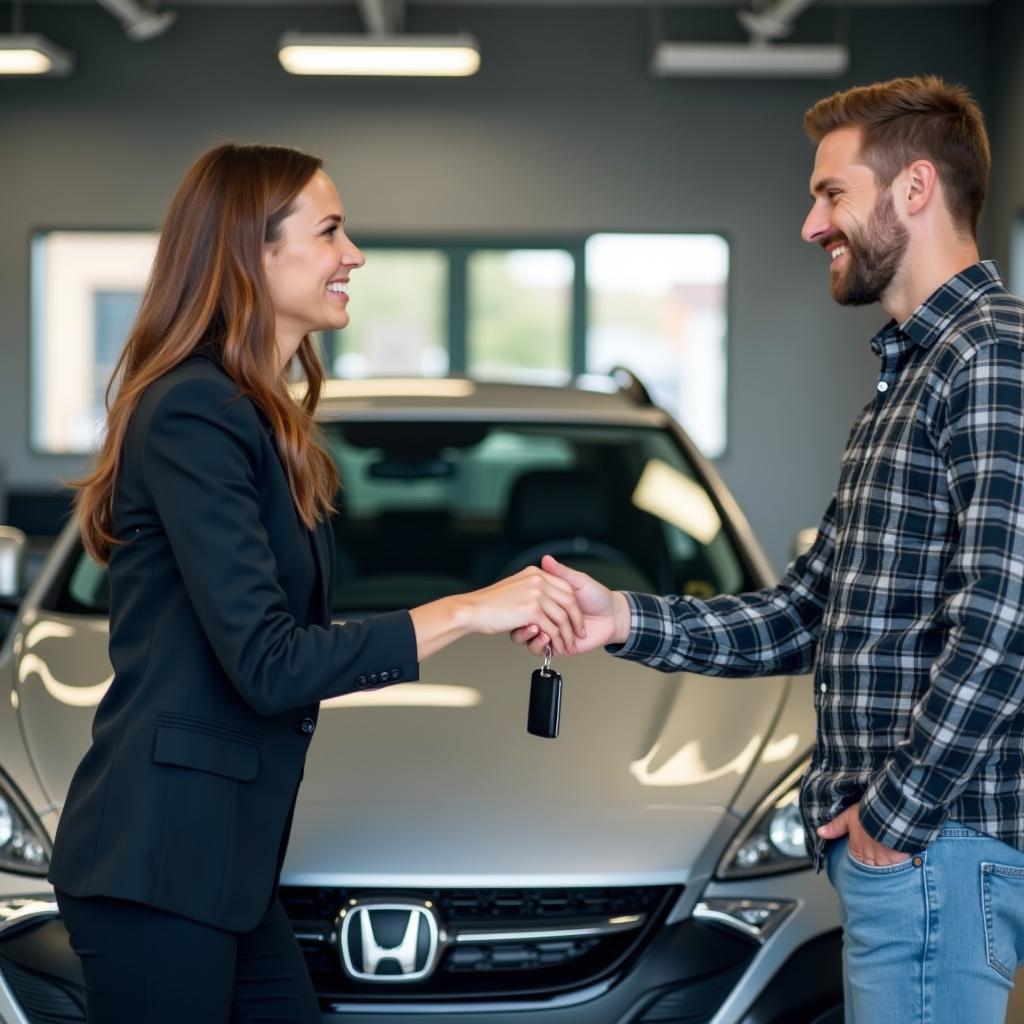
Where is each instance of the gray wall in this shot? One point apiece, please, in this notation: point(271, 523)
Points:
point(1006, 202)
point(563, 130)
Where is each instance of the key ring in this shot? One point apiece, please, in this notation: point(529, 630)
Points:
point(547, 661)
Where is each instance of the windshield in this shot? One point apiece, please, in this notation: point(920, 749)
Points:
point(428, 509)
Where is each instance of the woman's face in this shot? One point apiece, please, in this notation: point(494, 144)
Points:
point(309, 267)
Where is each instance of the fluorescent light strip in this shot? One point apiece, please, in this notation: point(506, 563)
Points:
point(740, 60)
point(31, 54)
point(24, 62)
point(405, 55)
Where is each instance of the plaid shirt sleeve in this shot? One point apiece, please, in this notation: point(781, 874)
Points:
point(976, 684)
point(768, 632)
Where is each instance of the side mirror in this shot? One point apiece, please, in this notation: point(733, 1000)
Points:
point(804, 541)
point(13, 552)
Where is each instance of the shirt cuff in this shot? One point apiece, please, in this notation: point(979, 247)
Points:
point(653, 628)
point(896, 819)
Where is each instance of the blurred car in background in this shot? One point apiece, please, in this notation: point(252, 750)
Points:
point(647, 866)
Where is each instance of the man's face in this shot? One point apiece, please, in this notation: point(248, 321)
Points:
point(854, 221)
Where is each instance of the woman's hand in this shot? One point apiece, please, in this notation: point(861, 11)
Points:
point(606, 614)
point(531, 596)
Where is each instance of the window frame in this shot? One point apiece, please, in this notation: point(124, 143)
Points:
point(458, 248)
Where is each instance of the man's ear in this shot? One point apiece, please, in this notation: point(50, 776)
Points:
point(920, 183)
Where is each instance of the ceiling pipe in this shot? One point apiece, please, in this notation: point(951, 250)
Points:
point(774, 20)
point(139, 22)
point(382, 17)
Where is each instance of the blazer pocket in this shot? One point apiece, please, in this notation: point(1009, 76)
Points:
point(188, 748)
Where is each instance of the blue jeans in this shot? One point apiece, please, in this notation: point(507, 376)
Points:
point(935, 939)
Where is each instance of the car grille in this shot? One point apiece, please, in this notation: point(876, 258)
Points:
point(500, 944)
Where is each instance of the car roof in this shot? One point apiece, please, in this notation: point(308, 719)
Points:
point(588, 400)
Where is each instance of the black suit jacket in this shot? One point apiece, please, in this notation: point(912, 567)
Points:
point(222, 647)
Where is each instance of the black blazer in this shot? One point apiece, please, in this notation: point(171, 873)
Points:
point(222, 646)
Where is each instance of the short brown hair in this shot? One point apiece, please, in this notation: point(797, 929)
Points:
point(920, 118)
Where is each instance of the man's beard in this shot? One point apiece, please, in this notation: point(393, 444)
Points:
point(874, 256)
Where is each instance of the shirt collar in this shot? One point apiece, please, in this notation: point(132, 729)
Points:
point(948, 302)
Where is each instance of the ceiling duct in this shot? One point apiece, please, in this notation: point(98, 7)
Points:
point(139, 22)
point(762, 57)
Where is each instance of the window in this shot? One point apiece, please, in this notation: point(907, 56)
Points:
point(520, 314)
point(437, 507)
point(86, 290)
point(399, 312)
point(543, 312)
point(1017, 257)
point(658, 307)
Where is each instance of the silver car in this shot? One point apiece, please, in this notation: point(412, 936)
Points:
point(445, 865)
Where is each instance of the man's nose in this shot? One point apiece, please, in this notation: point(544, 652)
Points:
point(816, 225)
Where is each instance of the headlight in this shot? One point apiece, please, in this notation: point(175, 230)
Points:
point(772, 838)
point(24, 844)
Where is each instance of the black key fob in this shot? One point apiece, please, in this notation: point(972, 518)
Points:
point(545, 703)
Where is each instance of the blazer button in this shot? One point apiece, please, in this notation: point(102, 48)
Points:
point(396, 674)
point(361, 682)
point(384, 677)
point(374, 679)
point(306, 726)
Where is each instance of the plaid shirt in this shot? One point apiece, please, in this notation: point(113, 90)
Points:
point(910, 604)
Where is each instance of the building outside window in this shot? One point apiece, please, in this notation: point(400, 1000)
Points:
point(657, 305)
point(519, 322)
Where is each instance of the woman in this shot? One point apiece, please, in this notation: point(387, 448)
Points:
point(210, 502)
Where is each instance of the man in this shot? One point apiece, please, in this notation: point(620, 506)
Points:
point(910, 604)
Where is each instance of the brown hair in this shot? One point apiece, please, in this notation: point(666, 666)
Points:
point(908, 119)
point(207, 286)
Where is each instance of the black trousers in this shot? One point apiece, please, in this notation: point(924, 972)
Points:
point(146, 966)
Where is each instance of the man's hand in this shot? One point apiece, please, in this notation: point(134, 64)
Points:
point(529, 596)
point(606, 616)
point(862, 847)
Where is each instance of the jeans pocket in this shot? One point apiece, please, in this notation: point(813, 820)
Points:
point(886, 869)
point(1002, 894)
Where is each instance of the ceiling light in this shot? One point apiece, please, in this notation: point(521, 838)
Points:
point(31, 54)
point(749, 60)
point(315, 54)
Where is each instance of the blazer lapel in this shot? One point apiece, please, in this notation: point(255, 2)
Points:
point(318, 536)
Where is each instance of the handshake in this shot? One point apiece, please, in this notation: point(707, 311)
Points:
point(553, 605)
point(553, 608)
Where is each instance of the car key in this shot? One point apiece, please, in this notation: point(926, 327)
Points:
point(545, 700)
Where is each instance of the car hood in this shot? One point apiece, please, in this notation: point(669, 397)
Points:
point(438, 782)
